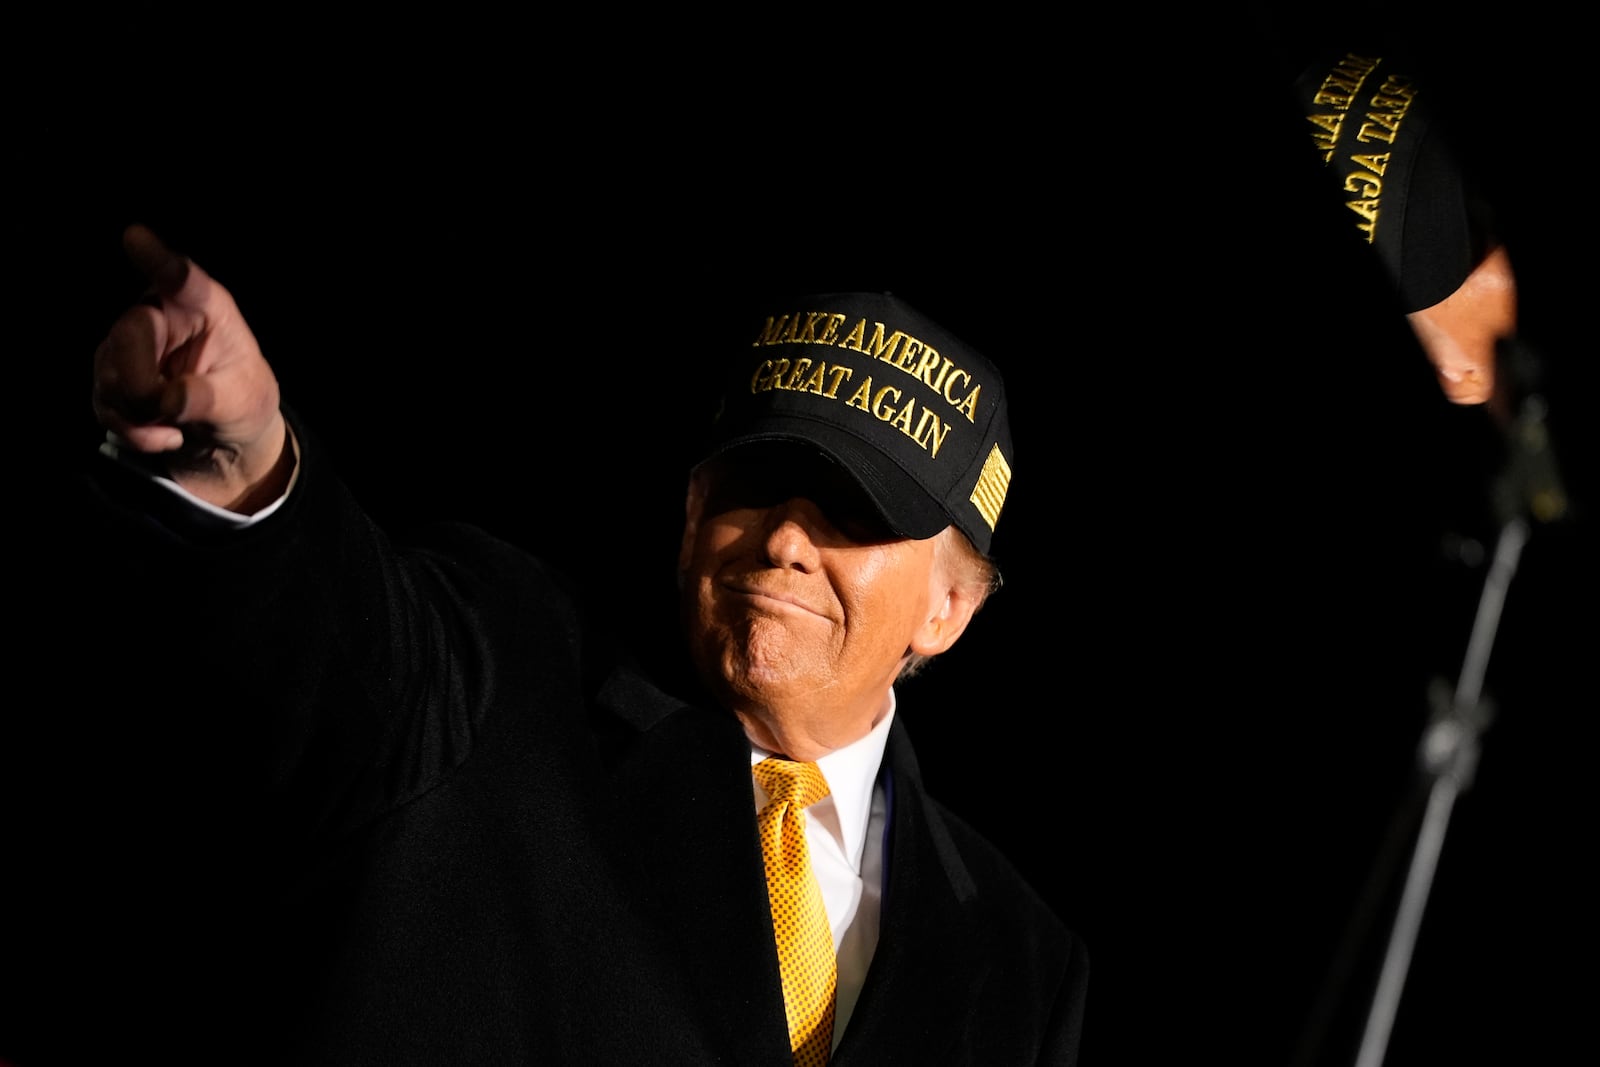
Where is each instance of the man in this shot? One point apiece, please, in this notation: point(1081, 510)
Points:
point(472, 831)
point(1381, 140)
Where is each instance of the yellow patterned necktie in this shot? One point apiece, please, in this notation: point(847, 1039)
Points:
point(799, 921)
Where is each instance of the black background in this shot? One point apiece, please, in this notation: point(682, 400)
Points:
point(492, 276)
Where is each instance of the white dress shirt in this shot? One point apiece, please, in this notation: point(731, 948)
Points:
point(844, 834)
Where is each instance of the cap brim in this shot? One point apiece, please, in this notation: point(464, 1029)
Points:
point(904, 507)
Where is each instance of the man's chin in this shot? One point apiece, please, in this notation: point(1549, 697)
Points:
point(768, 686)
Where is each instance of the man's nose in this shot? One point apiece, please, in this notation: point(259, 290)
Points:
point(791, 534)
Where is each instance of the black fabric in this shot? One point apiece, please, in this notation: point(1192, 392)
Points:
point(384, 805)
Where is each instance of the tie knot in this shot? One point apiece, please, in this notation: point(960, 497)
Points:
point(788, 782)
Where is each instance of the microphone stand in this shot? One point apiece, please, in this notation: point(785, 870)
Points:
point(1449, 748)
point(1447, 757)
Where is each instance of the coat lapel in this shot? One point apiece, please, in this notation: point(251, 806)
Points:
point(681, 777)
point(928, 964)
point(687, 833)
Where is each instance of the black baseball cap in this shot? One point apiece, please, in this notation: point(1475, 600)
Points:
point(915, 418)
point(1382, 139)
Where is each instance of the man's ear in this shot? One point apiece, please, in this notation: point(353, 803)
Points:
point(694, 504)
point(947, 622)
point(952, 602)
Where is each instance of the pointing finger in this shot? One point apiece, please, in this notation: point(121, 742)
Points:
point(172, 275)
point(162, 267)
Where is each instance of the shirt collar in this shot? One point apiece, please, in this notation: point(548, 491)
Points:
point(852, 774)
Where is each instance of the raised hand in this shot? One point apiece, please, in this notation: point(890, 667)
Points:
point(180, 376)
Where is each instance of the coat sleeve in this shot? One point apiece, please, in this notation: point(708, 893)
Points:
point(1064, 1034)
point(310, 668)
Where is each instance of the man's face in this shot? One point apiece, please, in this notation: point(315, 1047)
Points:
point(800, 607)
point(1461, 332)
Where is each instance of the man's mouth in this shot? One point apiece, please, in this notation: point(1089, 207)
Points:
point(773, 597)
